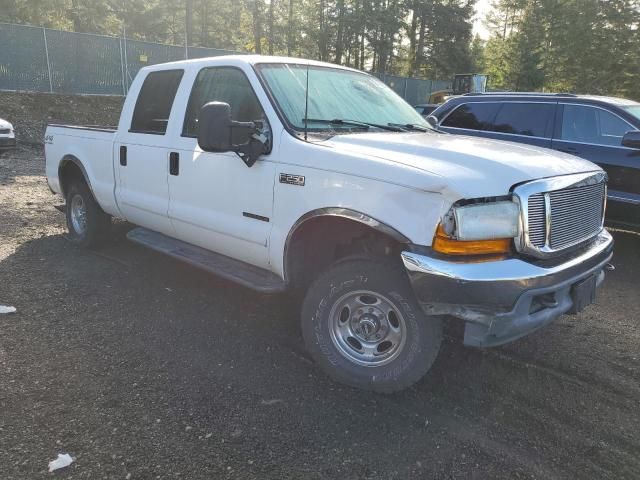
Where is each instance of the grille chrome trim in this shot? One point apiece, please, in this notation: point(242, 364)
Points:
point(537, 211)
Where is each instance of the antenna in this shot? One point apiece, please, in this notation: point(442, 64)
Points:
point(306, 105)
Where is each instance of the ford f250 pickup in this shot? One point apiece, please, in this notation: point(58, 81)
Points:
point(286, 174)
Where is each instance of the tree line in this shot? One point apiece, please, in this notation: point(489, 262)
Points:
point(428, 38)
point(584, 46)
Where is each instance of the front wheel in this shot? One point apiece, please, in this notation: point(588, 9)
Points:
point(363, 326)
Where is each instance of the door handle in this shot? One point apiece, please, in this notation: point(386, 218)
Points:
point(123, 155)
point(174, 163)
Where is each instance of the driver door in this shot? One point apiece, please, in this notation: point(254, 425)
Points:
point(216, 201)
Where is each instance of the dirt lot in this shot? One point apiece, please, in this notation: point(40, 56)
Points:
point(31, 112)
point(141, 367)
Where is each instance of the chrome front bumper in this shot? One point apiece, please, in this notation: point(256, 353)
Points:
point(503, 300)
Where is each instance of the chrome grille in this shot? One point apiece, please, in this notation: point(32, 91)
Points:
point(4, 130)
point(576, 214)
point(537, 215)
point(572, 215)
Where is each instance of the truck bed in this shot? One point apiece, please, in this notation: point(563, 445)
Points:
point(93, 146)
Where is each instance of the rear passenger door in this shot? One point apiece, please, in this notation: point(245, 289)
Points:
point(140, 150)
point(523, 122)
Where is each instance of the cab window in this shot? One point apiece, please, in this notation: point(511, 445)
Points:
point(585, 124)
point(153, 106)
point(222, 84)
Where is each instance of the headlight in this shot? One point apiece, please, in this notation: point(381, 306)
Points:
point(480, 228)
point(487, 221)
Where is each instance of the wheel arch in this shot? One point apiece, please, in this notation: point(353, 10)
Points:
point(69, 168)
point(351, 225)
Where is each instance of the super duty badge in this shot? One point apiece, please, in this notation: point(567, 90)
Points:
point(292, 179)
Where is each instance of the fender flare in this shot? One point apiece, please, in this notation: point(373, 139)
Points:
point(340, 212)
point(76, 161)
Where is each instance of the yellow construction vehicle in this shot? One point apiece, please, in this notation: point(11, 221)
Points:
point(462, 83)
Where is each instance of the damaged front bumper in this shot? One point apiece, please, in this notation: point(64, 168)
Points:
point(502, 300)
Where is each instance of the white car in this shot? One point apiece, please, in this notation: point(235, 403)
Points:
point(7, 135)
point(284, 174)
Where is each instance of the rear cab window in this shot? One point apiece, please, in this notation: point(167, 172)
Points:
point(154, 102)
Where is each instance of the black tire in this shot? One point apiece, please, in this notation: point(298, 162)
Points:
point(350, 276)
point(97, 223)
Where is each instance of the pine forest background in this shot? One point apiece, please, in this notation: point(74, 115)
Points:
point(583, 46)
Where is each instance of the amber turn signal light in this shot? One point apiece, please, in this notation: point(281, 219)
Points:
point(449, 246)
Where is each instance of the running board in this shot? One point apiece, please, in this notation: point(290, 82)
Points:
point(220, 265)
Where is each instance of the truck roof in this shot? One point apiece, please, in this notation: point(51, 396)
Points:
point(246, 59)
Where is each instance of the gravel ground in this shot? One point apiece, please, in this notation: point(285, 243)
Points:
point(141, 367)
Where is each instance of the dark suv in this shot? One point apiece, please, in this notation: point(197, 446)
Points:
point(603, 130)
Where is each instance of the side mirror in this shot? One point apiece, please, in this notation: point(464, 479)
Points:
point(214, 127)
point(433, 121)
point(631, 139)
point(217, 132)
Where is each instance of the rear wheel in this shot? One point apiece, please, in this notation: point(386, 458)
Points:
point(88, 225)
point(363, 326)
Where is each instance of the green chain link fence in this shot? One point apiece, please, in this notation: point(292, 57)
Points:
point(45, 60)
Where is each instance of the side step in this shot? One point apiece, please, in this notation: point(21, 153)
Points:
point(225, 267)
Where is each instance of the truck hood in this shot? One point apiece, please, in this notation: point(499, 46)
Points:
point(468, 166)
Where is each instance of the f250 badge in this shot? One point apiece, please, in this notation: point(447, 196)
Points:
point(292, 179)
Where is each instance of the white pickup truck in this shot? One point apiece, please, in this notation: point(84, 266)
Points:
point(284, 174)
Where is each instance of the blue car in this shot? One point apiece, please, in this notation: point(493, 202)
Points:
point(604, 130)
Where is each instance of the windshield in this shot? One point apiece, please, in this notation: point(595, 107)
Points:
point(634, 110)
point(336, 94)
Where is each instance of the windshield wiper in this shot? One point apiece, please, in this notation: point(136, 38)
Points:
point(410, 126)
point(354, 123)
